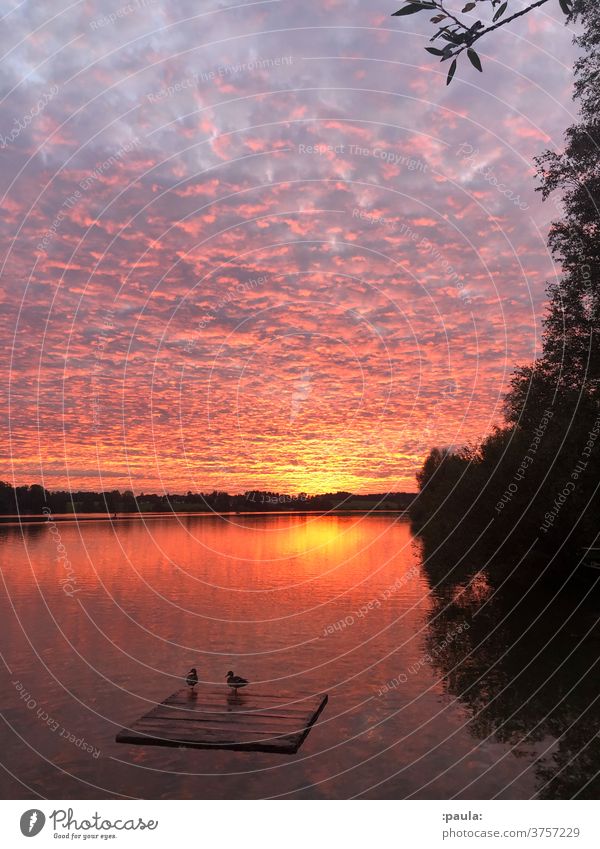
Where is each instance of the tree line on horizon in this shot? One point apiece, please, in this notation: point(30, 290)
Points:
point(34, 499)
point(533, 482)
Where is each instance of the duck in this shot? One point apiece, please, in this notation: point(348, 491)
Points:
point(191, 678)
point(236, 681)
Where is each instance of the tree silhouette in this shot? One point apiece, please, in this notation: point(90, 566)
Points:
point(454, 35)
point(535, 480)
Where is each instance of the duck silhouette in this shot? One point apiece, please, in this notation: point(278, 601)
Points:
point(236, 681)
point(191, 678)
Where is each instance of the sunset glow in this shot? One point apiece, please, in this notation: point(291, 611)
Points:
point(271, 259)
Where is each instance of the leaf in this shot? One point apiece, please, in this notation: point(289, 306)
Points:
point(437, 19)
point(565, 5)
point(451, 72)
point(451, 36)
point(500, 12)
point(475, 60)
point(469, 6)
point(434, 51)
point(412, 8)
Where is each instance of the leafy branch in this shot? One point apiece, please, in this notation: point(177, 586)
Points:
point(459, 34)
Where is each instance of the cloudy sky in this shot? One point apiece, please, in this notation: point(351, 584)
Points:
point(262, 244)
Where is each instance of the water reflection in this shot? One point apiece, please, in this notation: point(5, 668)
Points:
point(435, 690)
point(526, 668)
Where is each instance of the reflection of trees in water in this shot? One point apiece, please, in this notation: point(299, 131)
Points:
point(527, 669)
point(27, 531)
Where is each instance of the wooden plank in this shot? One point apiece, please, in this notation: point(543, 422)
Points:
point(217, 721)
point(214, 719)
point(241, 720)
point(149, 735)
point(213, 707)
point(194, 734)
point(245, 700)
point(246, 703)
point(139, 739)
point(196, 727)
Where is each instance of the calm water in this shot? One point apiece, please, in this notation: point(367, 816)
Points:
point(436, 690)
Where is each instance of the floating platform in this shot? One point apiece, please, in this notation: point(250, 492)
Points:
point(215, 719)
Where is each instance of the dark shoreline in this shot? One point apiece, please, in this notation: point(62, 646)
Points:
point(41, 519)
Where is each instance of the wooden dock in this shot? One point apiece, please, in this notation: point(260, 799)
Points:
point(216, 719)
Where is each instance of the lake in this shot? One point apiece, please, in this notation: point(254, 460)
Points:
point(439, 686)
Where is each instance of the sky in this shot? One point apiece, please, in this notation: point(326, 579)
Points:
point(263, 245)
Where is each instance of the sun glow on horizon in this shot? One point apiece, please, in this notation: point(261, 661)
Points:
point(243, 283)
